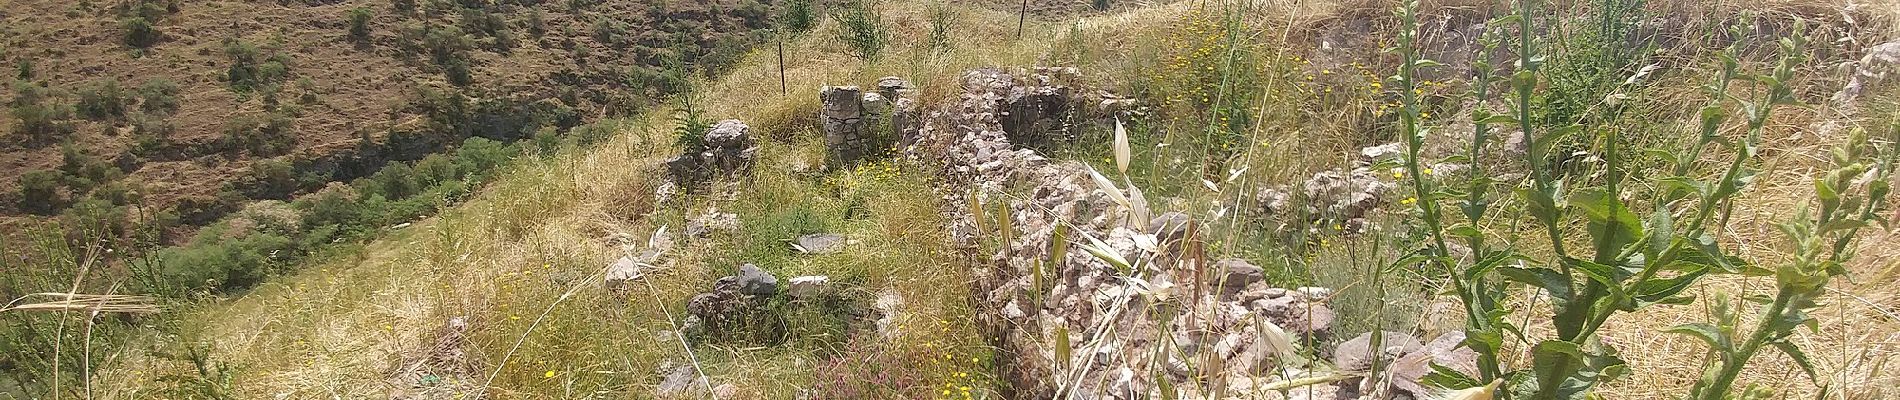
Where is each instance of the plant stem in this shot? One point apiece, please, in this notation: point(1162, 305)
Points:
point(1733, 360)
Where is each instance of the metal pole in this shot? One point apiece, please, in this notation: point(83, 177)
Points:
point(1020, 18)
point(781, 65)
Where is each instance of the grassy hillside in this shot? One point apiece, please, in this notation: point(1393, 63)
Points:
point(505, 295)
point(189, 109)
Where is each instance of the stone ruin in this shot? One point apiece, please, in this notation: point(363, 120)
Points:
point(727, 149)
point(1225, 326)
point(859, 125)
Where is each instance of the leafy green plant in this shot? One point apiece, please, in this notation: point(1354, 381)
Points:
point(1852, 196)
point(251, 70)
point(861, 29)
point(1632, 262)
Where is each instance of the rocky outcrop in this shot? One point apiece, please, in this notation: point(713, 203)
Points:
point(727, 149)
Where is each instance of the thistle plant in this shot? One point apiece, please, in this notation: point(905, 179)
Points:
point(1630, 262)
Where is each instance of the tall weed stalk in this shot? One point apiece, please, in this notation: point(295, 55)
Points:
point(1628, 262)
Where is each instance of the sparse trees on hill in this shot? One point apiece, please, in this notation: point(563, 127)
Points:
point(158, 95)
point(103, 100)
point(359, 24)
point(40, 191)
point(139, 32)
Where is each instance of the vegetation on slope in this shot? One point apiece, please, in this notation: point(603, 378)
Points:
point(1240, 101)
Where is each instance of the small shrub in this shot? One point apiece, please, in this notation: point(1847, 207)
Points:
point(334, 206)
point(457, 72)
point(861, 29)
point(1100, 5)
point(44, 122)
point(23, 68)
point(359, 24)
point(404, 6)
point(264, 136)
point(158, 95)
point(41, 191)
point(103, 100)
point(84, 171)
point(799, 16)
point(608, 32)
point(139, 32)
point(250, 70)
point(479, 157)
point(537, 23)
point(95, 216)
point(218, 259)
point(395, 181)
point(436, 169)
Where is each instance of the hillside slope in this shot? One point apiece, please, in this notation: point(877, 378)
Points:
point(222, 102)
point(522, 293)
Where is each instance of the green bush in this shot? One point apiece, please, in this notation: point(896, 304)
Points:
point(84, 171)
point(23, 68)
point(103, 100)
point(861, 29)
point(41, 191)
point(332, 207)
point(218, 259)
point(436, 169)
point(95, 216)
point(158, 95)
point(608, 32)
point(359, 24)
point(43, 122)
point(799, 16)
point(139, 32)
point(479, 157)
point(251, 70)
point(264, 135)
point(394, 181)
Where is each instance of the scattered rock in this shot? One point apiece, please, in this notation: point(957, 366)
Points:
point(726, 149)
point(807, 286)
point(1270, 201)
point(819, 243)
point(725, 391)
point(1169, 227)
point(712, 221)
point(1298, 313)
point(756, 282)
point(1343, 195)
point(678, 382)
point(623, 272)
point(1385, 152)
point(1236, 274)
point(1356, 355)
